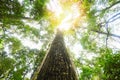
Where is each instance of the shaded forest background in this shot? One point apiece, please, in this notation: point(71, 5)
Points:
point(95, 38)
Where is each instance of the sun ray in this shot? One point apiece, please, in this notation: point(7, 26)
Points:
point(66, 15)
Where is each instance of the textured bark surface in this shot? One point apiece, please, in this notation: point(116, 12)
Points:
point(57, 64)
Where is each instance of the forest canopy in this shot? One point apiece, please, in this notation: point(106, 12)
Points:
point(91, 33)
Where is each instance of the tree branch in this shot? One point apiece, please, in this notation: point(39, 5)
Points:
point(15, 17)
point(109, 34)
point(111, 19)
point(4, 30)
point(27, 18)
point(112, 5)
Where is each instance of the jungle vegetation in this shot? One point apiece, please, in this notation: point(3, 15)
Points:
point(91, 33)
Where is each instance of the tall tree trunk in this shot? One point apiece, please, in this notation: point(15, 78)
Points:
point(57, 64)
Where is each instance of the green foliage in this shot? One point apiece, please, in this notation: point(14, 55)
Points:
point(39, 59)
point(92, 20)
point(37, 62)
point(105, 65)
point(14, 44)
point(1, 43)
point(29, 31)
point(112, 1)
point(88, 43)
point(17, 74)
point(20, 65)
point(38, 10)
point(10, 9)
point(10, 12)
point(86, 73)
point(16, 63)
point(18, 60)
point(6, 64)
point(110, 63)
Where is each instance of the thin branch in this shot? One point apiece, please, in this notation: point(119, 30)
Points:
point(105, 33)
point(112, 18)
point(106, 41)
point(112, 5)
point(26, 71)
point(14, 17)
point(27, 18)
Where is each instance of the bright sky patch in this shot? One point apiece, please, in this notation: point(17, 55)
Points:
point(67, 15)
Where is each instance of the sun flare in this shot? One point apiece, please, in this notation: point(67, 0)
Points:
point(67, 15)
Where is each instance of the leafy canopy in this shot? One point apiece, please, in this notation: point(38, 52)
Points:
point(88, 24)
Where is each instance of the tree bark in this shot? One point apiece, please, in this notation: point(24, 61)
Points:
point(57, 64)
